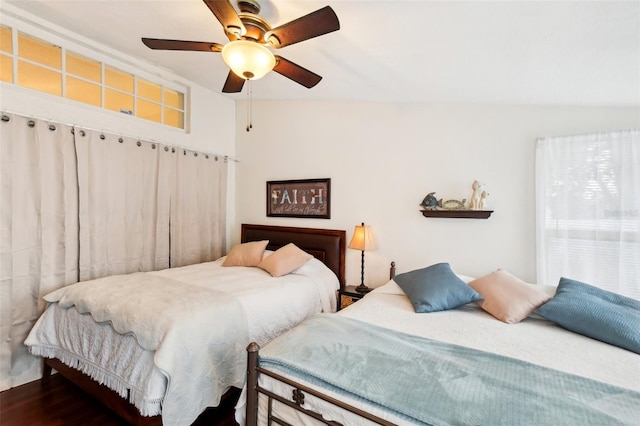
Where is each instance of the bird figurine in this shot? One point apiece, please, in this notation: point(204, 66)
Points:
point(430, 202)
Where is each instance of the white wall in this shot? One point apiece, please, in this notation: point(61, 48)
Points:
point(384, 158)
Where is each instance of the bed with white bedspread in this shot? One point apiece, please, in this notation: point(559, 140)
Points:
point(468, 368)
point(172, 342)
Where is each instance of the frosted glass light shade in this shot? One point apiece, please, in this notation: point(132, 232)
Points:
point(248, 59)
point(362, 238)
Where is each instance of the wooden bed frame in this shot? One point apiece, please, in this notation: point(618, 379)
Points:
point(296, 401)
point(327, 245)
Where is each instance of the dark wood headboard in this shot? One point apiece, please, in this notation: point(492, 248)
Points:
point(326, 245)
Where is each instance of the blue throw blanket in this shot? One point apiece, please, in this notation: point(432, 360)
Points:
point(435, 383)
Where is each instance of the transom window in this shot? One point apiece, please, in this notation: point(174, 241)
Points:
point(29, 62)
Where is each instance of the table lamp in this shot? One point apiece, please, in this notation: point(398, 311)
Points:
point(362, 240)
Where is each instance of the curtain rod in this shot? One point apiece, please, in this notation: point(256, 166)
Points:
point(228, 157)
point(601, 133)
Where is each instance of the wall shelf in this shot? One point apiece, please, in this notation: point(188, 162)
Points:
point(459, 214)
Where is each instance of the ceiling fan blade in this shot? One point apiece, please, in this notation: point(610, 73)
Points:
point(228, 17)
point(164, 44)
point(315, 24)
point(296, 73)
point(233, 84)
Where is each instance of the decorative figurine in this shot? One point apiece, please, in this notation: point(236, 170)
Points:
point(474, 204)
point(454, 204)
point(430, 202)
point(483, 202)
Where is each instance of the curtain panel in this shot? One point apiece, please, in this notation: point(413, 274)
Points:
point(79, 204)
point(124, 220)
point(588, 210)
point(198, 207)
point(39, 232)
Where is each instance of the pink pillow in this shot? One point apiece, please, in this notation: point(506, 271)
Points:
point(508, 298)
point(284, 260)
point(247, 254)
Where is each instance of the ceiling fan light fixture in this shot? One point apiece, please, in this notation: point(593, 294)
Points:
point(248, 59)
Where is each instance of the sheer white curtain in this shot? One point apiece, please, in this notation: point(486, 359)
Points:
point(198, 207)
point(588, 210)
point(39, 232)
point(124, 220)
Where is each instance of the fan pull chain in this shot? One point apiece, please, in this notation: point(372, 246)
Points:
point(250, 107)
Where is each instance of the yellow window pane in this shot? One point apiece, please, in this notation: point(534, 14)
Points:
point(83, 67)
point(39, 78)
point(5, 39)
point(39, 51)
point(149, 90)
point(6, 68)
point(148, 110)
point(117, 101)
point(173, 98)
point(118, 79)
point(82, 91)
point(174, 118)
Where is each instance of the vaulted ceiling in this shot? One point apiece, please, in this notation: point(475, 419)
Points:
point(507, 52)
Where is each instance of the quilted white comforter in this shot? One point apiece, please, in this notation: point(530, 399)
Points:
point(194, 327)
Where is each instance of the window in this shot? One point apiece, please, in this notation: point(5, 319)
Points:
point(588, 210)
point(52, 69)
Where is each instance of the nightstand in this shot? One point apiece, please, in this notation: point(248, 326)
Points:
point(349, 295)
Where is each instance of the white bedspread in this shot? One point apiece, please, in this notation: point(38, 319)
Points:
point(534, 340)
point(268, 306)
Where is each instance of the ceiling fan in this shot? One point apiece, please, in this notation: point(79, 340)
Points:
point(247, 52)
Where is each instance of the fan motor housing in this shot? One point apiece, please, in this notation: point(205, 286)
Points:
point(256, 26)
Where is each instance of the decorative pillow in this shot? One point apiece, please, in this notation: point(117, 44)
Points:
point(284, 260)
point(247, 254)
point(596, 313)
point(435, 288)
point(508, 298)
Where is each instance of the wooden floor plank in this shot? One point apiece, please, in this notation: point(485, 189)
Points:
point(61, 403)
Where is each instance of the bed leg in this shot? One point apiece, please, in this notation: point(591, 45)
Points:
point(46, 371)
point(252, 384)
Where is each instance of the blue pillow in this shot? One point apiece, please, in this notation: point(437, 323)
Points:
point(435, 288)
point(596, 313)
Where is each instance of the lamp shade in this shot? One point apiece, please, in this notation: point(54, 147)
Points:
point(248, 59)
point(362, 239)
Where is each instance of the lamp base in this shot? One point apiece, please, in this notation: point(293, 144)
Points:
point(363, 289)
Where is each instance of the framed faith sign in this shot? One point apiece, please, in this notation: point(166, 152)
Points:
point(299, 198)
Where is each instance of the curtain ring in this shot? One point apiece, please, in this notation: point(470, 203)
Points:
point(102, 137)
point(195, 154)
point(31, 123)
point(153, 146)
point(184, 153)
point(206, 156)
point(120, 140)
point(6, 118)
point(166, 149)
point(52, 127)
point(173, 150)
point(216, 158)
point(139, 143)
point(82, 133)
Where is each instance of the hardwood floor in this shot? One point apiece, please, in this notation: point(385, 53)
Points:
point(61, 403)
